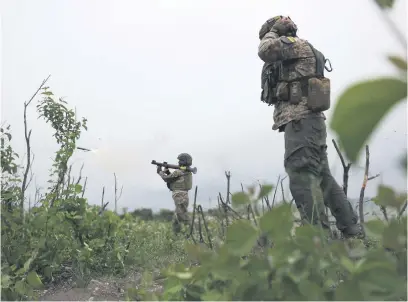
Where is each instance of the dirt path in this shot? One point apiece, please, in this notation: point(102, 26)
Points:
point(106, 289)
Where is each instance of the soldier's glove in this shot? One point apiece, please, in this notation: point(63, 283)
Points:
point(159, 168)
point(284, 27)
point(167, 171)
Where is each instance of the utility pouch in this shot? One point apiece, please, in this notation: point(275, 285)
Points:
point(295, 93)
point(318, 98)
point(268, 94)
point(282, 91)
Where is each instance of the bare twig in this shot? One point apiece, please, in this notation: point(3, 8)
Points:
point(80, 175)
point(69, 176)
point(31, 170)
point(274, 194)
point(27, 136)
point(103, 206)
point(283, 193)
point(401, 212)
point(116, 194)
point(266, 199)
point(251, 211)
point(120, 193)
point(200, 211)
point(373, 177)
point(84, 188)
point(116, 190)
point(221, 210)
point(384, 211)
point(346, 168)
point(228, 176)
point(227, 207)
point(363, 187)
point(103, 196)
point(193, 218)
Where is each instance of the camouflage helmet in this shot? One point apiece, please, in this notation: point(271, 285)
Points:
point(266, 27)
point(185, 159)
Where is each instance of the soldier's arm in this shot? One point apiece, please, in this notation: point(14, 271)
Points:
point(270, 48)
point(170, 177)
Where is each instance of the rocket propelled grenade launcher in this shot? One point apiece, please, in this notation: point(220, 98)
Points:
point(166, 165)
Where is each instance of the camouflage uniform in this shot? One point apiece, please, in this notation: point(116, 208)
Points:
point(305, 161)
point(177, 183)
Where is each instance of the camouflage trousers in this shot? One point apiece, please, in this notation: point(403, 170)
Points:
point(181, 213)
point(311, 183)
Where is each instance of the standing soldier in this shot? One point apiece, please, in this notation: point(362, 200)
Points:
point(293, 81)
point(179, 183)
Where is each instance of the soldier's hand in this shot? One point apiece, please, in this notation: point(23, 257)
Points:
point(167, 171)
point(159, 168)
point(284, 26)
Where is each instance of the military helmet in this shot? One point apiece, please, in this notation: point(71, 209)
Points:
point(185, 159)
point(266, 27)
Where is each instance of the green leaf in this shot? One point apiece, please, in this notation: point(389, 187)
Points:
point(310, 290)
point(348, 291)
point(382, 283)
point(27, 264)
point(34, 280)
point(5, 281)
point(360, 109)
point(278, 222)
point(239, 199)
point(47, 93)
point(241, 237)
point(118, 255)
point(395, 236)
point(387, 197)
point(384, 4)
point(347, 264)
point(78, 188)
point(197, 252)
point(374, 227)
point(21, 287)
point(265, 190)
point(398, 62)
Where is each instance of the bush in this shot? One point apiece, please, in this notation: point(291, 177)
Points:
point(306, 265)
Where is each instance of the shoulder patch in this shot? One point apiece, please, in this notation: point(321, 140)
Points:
point(287, 40)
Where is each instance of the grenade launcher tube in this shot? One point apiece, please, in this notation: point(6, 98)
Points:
point(166, 165)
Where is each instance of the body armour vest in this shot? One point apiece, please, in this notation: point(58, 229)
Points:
point(299, 75)
point(183, 183)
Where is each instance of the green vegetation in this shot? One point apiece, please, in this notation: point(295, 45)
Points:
point(246, 249)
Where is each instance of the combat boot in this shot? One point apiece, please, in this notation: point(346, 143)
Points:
point(354, 231)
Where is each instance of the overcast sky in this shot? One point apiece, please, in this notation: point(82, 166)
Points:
point(157, 78)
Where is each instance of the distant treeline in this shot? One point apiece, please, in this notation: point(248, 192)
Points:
point(164, 214)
